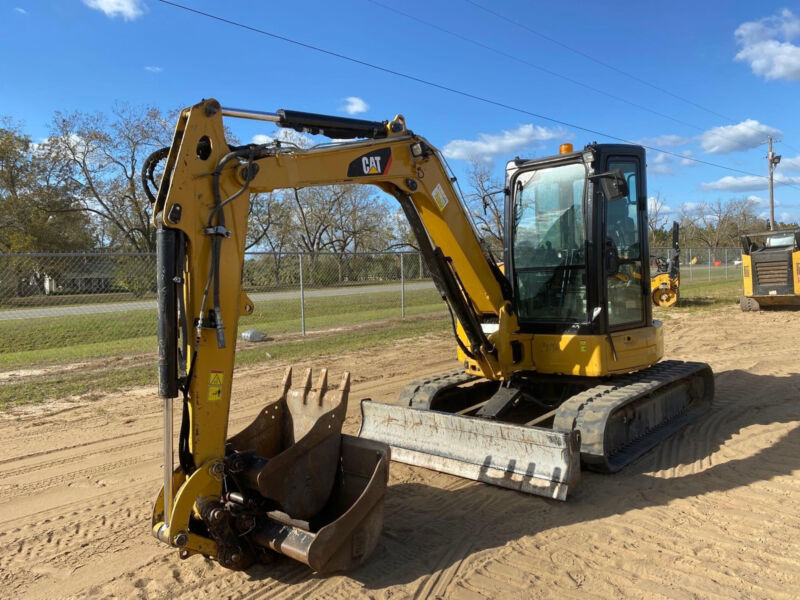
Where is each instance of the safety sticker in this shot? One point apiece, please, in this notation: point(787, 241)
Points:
point(215, 379)
point(439, 197)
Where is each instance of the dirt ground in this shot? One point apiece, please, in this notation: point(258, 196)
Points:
point(712, 513)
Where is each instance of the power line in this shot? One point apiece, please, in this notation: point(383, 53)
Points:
point(595, 60)
point(534, 66)
point(611, 67)
point(450, 89)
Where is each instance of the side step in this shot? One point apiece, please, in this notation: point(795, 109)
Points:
point(528, 459)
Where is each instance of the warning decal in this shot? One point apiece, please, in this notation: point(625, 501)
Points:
point(215, 379)
point(439, 197)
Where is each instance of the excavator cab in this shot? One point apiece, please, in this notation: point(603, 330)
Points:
point(576, 250)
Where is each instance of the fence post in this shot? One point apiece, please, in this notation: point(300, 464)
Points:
point(402, 289)
point(419, 255)
point(726, 263)
point(691, 270)
point(302, 297)
point(709, 264)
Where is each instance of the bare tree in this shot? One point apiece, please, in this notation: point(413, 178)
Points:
point(104, 157)
point(359, 220)
point(313, 209)
point(717, 223)
point(271, 226)
point(402, 237)
point(485, 204)
point(656, 212)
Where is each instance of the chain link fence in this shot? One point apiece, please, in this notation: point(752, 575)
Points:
point(57, 307)
point(706, 264)
point(75, 306)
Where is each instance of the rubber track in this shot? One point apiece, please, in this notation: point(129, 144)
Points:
point(591, 410)
point(422, 392)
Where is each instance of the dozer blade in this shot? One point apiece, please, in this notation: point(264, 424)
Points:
point(528, 459)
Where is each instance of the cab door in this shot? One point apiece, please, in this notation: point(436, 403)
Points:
point(627, 278)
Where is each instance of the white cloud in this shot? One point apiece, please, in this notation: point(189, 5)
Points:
point(153, 69)
point(21, 11)
point(354, 105)
point(665, 141)
point(655, 204)
point(662, 163)
point(790, 164)
point(735, 138)
point(760, 202)
point(687, 160)
point(689, 207)
point(487, 146)
point(261, 138)
point(129, 10)
point(766, 46)
point(748, 183)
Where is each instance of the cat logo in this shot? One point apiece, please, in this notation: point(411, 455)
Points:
point(371, 165)
point(376, 162)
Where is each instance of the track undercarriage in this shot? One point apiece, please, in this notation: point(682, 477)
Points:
point(533, 433)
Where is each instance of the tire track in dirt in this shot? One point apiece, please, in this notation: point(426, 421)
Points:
point(711, 513)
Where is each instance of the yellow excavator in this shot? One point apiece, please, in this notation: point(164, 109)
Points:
point(560, 355)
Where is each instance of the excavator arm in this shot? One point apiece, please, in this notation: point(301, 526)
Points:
point(394, 159)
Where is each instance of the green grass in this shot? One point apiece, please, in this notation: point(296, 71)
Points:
point(710, 293)
point(39, 342)
point(42, 341)
point(116, 379)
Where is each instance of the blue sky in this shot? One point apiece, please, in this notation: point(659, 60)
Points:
point(703, 80)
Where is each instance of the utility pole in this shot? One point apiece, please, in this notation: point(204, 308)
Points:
point(773, 162)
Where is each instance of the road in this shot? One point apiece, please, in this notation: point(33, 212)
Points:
point(112, 307)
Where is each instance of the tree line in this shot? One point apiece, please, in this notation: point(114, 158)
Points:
point(79, 189)
point(708, 224)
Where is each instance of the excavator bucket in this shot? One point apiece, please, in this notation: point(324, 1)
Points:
point(295, 441)
point(323, 490)
point(529, 459)
point(348, 527)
